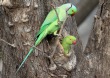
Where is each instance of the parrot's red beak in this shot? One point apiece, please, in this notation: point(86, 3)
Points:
point(72, 14)
point(74, 42)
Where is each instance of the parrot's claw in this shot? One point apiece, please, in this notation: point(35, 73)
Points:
point(55, 33)
point(58, 35)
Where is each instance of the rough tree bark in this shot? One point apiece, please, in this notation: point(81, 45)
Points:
point(96, 61)
point(22, 20)
point(1, 24)
point(92, 63)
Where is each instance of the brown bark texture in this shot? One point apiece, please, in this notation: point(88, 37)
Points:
point(22, 20)
point(1, 23)
point(96, 61)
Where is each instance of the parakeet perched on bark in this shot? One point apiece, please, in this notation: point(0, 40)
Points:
point(50, 25)
point(67, 42)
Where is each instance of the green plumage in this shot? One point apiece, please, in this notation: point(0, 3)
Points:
point(50, 25)
point(67, 42)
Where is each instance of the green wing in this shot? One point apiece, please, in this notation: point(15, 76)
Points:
point(49, 19)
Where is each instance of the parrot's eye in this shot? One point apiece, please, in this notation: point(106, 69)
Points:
point(72, 10)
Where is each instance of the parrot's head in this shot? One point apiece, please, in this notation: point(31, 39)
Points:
point(70, 40)
point(70, 9)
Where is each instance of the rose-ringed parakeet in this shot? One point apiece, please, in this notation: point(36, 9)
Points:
point(50, 25)
point(67, 42)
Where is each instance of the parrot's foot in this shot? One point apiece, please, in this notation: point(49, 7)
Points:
point(57, 35)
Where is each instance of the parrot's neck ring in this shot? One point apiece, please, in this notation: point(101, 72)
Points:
point(68, 8)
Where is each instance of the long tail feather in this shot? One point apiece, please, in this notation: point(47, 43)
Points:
point(31, 50)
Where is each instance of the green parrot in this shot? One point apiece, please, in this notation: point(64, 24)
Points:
point(50, 25)
point(67, 42)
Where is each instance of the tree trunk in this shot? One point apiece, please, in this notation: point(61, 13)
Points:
point(96, 61)
point(1, 24)
point(22, 20)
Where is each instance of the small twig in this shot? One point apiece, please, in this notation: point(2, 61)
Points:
point(13, 45)
point(56, 12)
point(57, 40)
point(48, 45)
point(34, 47)
point(53, 75)
point(37, 49)
point(60, 31)
point(63, 76)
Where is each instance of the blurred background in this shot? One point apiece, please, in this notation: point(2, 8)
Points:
point(84, 18)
